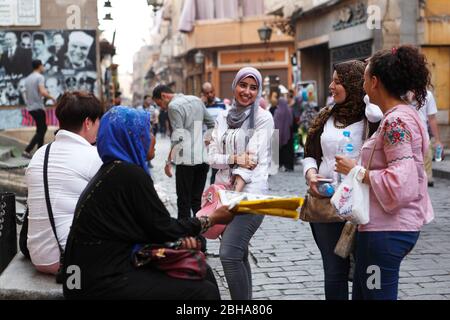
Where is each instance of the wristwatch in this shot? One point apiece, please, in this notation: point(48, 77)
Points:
point(361, 174)
point(169, 162)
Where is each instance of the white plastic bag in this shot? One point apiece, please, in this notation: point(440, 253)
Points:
point(351, 199)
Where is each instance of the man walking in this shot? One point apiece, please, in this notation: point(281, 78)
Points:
point(34, 91)
point(214, 106)
point(147, 105)
point(428, 116)
point(187, 115)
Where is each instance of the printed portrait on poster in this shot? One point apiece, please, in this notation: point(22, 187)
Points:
point(69, 57)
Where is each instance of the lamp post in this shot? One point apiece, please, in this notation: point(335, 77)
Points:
point(265, 33)
point(108, 6)
point(107, 17)
point(199, 57)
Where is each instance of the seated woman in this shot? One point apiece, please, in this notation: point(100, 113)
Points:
point(120, 208)
point(73, 162)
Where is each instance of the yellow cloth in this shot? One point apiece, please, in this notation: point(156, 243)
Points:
point(283, 207)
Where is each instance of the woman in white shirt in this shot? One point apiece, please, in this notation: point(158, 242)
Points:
point(240, 148)
point(73, 161)
point(347, 114)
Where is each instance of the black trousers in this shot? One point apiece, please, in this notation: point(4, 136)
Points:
point(287, 155)
point(190, 183)
point(213, 175)
point(41, 129)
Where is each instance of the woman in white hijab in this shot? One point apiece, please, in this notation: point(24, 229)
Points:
point(241, 149)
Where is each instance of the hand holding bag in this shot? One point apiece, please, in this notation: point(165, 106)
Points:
point(315, 209)
point(351, 199)
point(358, 202)
point(211, 202)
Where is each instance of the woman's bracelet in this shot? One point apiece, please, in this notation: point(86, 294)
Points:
point(205, 223)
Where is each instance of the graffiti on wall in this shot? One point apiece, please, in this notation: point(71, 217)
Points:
point(69, 57)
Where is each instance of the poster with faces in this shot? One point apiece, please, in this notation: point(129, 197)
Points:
point(69, 58)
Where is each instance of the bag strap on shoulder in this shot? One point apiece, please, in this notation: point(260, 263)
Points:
point(47, 197)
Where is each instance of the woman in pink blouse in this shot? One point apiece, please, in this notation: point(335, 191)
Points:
point(399, 201)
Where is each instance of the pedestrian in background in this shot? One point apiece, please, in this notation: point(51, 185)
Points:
point(214, 106)
point(347, 114)
point(250, 168)
point(399, 200)
point(428, 116)
point(284, 122)
point(34, 92)
point(191, 167)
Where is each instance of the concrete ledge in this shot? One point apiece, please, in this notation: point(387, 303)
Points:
point(21, 281)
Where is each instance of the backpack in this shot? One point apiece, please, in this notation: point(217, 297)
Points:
point(210, 202)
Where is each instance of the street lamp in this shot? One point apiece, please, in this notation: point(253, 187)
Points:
point(199, 57)
point(156, 4)
point(107, 4)
point(265, 33)
point(107, 17)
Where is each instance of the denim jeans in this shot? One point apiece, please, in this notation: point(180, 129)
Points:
point(336, 268)
point(378, 259)
point(234, 254)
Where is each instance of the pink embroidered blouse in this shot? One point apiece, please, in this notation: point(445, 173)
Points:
point(399, 199)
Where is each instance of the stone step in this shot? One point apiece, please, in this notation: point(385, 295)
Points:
point(21, 281)
point(13, 180)
point(5, 153)
point(13, 163)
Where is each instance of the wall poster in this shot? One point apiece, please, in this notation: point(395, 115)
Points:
point(69, 57)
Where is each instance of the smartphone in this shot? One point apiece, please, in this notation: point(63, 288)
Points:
point(324, 180)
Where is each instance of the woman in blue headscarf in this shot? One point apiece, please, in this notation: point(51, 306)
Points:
point(119, 209)
point(241, 149)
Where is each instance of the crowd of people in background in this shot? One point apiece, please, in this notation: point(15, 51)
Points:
point(115, 207)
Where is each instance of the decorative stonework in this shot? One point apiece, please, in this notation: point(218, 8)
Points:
point(350, 16)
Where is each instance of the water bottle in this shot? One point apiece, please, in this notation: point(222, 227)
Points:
point(438, 155)
point(344, 148)
point(326, 189)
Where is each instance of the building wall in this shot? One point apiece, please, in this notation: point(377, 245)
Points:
point(223, 33)
point(54, 14)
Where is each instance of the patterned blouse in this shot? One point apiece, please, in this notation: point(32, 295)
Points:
point(399, 199)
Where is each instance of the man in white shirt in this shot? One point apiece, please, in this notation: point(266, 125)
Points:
point(73, 161)
point(428, 116)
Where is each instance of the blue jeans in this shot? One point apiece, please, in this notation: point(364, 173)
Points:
point(234, 254)
point(378, 259)
point(336, 268)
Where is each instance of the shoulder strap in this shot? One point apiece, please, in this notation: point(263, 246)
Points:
point(47, 197)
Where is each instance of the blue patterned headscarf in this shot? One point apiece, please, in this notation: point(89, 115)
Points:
point(124, 134)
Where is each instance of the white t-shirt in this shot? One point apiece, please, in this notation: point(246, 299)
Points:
point(329, 141)
point(72, 164)
point(428, 109)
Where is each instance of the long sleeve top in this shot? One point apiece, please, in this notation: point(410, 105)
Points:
point(118, 209)
point(259, 144)
point(329, 141)
point(399, 199)
point(73, 162)
point(187, 115)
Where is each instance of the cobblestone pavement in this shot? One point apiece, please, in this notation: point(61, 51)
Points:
point(286, 263)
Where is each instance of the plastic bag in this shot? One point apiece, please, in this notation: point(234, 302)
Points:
point(351, 199)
